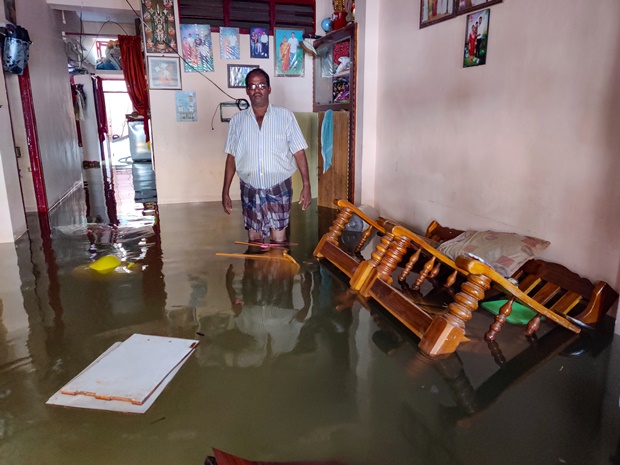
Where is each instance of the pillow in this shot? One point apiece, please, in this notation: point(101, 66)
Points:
point(504, 252)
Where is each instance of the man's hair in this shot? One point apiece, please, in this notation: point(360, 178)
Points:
point(260, 71)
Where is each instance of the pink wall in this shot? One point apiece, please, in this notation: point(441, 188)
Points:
point(528, 143)
point(189, 156)
point(52, 99)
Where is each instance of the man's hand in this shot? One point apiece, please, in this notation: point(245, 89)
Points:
point(305, 198)
point(226, 203)
point(229, 173)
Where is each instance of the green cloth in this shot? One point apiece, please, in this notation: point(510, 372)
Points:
point(520, 315)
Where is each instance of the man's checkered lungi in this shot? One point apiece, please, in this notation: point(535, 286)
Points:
point(267, 209)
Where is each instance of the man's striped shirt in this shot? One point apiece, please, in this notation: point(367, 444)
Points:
point(264, 156)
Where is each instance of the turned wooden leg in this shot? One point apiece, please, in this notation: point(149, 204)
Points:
point(335, 230)
point(533, 326)
point(451, 280)
point(363, 240)
point(341, 221)
point(410, 264)
point(380, 249)
point(393, 255)
point(446, 332)
point(366, 272)
point(451, 369)
point(426, 270)
point(500, 319)
point(497, 353)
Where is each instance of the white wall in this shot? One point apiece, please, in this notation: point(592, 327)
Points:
point(21, 141)
point(367, 16)
point(189, 157)
point(13, 224)
point(10, 193)
point(52, 100)
point(528, 143)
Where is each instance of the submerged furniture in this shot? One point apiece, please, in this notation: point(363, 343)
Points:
point(551, 290)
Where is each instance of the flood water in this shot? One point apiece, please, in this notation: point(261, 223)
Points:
point(289, 366)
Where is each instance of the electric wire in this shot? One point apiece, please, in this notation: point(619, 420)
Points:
point(238, 102)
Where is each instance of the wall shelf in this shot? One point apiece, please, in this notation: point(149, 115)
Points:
point(334, 88)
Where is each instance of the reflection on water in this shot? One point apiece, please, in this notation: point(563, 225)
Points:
point(291, 365)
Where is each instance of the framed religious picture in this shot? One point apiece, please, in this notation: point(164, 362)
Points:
point(476, 38)
point(197, 48)
point(259, 42)
point(164, 73)
point(237, 74)
point(467, 6)
point(159, 26)
point(435, 11)
point(289, 56)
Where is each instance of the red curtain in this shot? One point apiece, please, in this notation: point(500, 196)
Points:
point(102, 117)
point(135, 76)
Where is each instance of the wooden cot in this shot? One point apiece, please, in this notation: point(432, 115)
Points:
point(551, 290)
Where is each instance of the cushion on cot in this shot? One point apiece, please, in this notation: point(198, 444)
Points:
point(504, 252)
point(520, 315)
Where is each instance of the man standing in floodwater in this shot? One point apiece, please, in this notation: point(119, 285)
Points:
point(265, 147)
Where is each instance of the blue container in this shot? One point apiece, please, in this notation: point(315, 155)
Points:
point(326, 24)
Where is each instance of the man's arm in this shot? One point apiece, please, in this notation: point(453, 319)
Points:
point(302, 164)
point(229, 174)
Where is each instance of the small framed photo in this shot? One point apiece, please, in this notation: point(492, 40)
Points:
point(435, 11)
point(476, 38)
point(229, 43)
point(289, 57)
point(164, 73)
point(259, 42)
point(237, 74)
point(467, 6)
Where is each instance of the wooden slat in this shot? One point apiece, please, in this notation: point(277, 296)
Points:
point(566, 303)
point(529, 283)
point(560, 275)
point(548, 292)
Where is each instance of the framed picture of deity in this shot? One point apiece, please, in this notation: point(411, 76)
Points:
point(435, 11)
point(159, 26)
point(289, 56)
point(467, 6)
point(164, 73)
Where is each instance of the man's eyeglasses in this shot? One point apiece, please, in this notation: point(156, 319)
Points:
point(261, 86)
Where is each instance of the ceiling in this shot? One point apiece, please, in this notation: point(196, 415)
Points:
point(103, 14)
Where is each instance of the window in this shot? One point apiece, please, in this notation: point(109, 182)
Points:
point(245, 14)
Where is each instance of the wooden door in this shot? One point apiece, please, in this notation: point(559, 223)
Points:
point(333, 182)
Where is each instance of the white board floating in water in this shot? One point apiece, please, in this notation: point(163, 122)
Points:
point(128, 376)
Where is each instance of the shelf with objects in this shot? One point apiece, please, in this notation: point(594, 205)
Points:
point(335, 69)
point(334, 86)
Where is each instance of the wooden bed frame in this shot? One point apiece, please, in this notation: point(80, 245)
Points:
point(551, 290)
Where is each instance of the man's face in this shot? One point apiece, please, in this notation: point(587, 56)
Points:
point(259, 97)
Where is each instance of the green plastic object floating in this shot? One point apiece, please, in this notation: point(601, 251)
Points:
point(105, 264)
point(520, 315)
